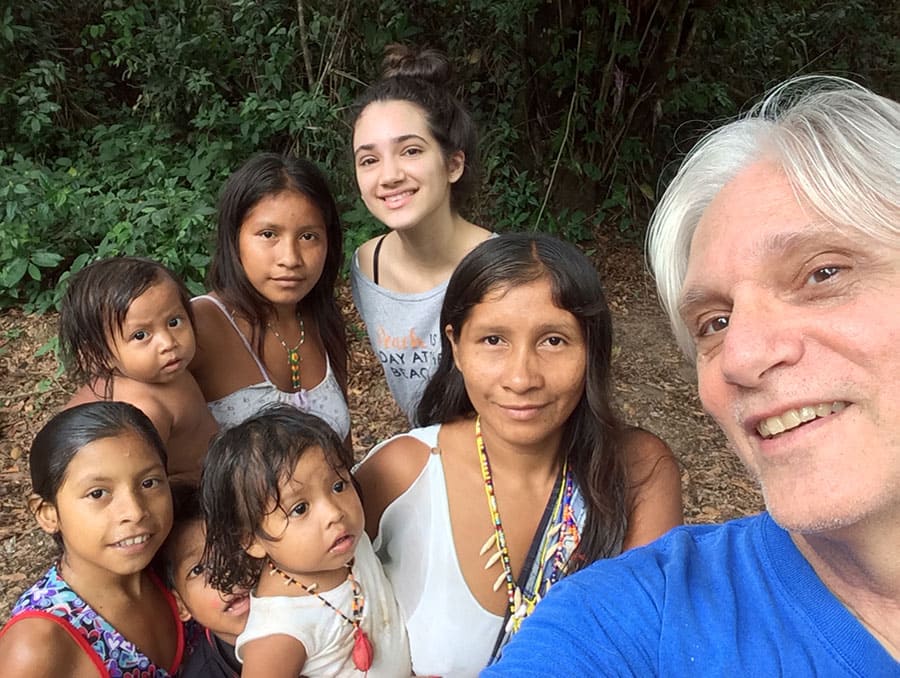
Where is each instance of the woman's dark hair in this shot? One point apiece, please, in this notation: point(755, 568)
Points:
point(65, 434)
point(423, 79)
point(592, 439)
point(94, 307)
point(240, 484)
point(264, 175)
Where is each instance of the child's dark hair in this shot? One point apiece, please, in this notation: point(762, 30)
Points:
point(243, 469)
point(94, 308)
point(592, 440)
point(423, 79)
point(185, 509)
point(66, 433)
point(264, 175)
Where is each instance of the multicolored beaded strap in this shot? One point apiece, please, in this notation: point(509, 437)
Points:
point(293, 354)
point(558, 543)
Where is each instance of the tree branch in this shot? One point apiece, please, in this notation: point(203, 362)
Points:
point(304, 44)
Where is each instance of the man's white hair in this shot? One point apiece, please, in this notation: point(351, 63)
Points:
point(839, 146)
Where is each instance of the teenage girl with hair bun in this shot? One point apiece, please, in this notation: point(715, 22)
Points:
point(414, 150)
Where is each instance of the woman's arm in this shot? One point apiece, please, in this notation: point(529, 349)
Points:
point(388, 473)
point(654, 488)
point(273, 656)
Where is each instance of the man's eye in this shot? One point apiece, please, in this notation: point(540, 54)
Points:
point(713, 326)
point(823, 274)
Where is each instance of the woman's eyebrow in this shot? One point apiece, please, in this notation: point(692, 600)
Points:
point(395, 140)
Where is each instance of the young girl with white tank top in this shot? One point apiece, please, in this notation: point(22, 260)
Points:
point(263, 328)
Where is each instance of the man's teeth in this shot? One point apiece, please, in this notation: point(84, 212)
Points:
point(134, 540)
point(793, 418)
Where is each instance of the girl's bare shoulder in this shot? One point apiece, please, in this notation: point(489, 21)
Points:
point(365, 256)
point(207, 315)
point(23, 651)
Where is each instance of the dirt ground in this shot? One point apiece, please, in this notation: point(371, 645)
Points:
point(655, 388)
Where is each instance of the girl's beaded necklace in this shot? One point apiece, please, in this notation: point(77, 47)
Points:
point(293, 353)
point(564, 530)
point(363, 650)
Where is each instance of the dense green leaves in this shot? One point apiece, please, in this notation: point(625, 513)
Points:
point(121, 118)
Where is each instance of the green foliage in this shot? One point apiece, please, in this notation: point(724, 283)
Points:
point(122, 118)
point(59, 217)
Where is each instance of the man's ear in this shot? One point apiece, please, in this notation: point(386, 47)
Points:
point(184, 614)
point(456, 165)
point(45, 514)
point(451, 337)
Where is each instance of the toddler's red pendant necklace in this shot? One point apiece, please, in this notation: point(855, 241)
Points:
point(363, 650)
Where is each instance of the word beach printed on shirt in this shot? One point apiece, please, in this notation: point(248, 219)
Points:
point(408, 356)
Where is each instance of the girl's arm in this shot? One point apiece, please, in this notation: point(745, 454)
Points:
point(210, 355)
point(274, 656)
point(24, 651)
point(654, 488)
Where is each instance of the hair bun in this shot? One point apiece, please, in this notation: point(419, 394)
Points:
point(428, 64)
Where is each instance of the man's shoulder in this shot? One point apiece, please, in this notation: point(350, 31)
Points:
point(644, 582)
point(683, 548)
point(660, 604)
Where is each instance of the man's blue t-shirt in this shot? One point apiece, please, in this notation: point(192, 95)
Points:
point(736, 599)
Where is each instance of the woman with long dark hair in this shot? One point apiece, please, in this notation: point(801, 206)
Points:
point(523, 472)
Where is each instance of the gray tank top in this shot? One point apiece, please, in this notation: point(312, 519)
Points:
point(404, 333)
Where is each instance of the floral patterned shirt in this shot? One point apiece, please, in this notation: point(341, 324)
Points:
point(114, 656)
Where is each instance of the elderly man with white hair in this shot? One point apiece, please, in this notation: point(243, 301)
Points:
point(776, 250)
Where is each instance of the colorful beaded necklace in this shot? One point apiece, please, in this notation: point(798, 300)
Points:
point(558, 543)
point(293, 354)
point(363, 650)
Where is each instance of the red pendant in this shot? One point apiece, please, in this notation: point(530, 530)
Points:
point(363, 652)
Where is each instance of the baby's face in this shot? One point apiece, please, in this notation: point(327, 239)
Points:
point(156, 342)
point(224, 615)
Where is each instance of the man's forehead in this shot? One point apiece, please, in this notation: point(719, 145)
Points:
point(757, 219)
